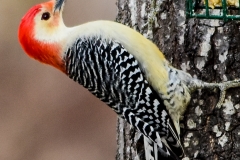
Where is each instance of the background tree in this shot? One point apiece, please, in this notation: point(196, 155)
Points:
point(208, 50)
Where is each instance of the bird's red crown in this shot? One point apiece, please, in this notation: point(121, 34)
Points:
point(41, 17)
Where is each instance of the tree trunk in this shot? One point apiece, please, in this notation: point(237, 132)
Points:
point(208, 50)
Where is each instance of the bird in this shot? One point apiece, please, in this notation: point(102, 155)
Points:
point(120, 67)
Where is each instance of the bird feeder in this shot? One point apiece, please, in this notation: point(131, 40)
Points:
point(213, 9)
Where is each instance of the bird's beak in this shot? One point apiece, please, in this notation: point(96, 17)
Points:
point(58, 5)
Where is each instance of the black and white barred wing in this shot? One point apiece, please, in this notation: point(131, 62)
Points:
point(113, 75)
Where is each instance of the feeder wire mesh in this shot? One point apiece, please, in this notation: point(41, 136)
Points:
point(213, 9)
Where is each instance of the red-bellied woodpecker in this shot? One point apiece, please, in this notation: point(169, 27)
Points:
point(120, 67)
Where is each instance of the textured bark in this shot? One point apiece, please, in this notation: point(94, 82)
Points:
point(208, 50)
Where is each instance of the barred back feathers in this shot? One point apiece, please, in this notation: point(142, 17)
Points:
point(113, 75)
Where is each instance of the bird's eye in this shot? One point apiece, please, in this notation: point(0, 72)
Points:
point(45, 16)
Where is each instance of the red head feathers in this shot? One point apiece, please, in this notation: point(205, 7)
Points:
point(37, 34)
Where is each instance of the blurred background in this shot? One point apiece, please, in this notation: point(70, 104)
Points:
point(43, 114)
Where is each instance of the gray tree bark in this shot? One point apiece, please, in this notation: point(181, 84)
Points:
point(208, 50)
